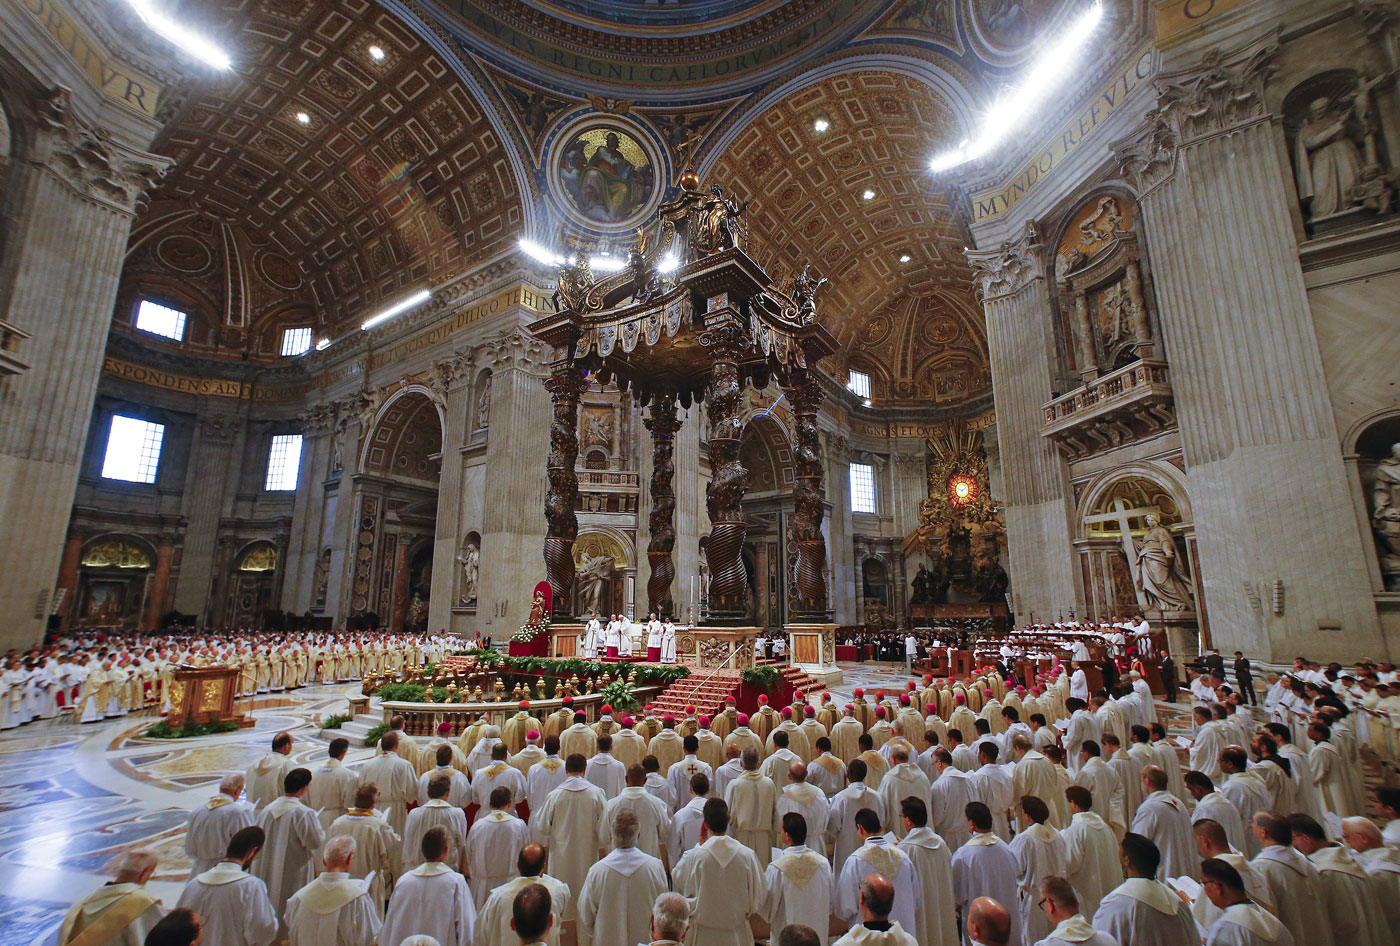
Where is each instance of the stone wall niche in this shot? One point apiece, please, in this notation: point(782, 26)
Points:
point(1343, 173)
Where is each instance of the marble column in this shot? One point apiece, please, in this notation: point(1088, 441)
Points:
point(517, 445)
point(1037, 498)
point(804, 528)
point(210, 486)
point(691, 521)
point(160, 584)
point(451, 382)
point(725, 339)
point(1267, 482)
point(661, 522)
point(308, 509)
point(68, 574)
point(844, 591)
point(73, 193)
point(565, 385)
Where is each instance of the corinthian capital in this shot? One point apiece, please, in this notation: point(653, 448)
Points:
point(1010, 267)
point(1223, 91)
point(89, 161)
point(1147, 157)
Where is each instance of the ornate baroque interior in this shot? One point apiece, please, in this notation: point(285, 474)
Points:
point(1135, 358)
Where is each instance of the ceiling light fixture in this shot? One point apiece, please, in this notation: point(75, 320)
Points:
point(322, 344)
point(669, 263)
point(303, 118)
point(418, 298)
point(820, 125)
point(376, 53)
point(1054, 62)
point(905, 258)
point(598, 262)
point(868, 194)
point(190, 42)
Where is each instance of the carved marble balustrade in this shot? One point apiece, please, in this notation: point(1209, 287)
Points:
point(1129, 402)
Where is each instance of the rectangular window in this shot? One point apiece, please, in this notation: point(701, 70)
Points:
point(862, 487)
point(160, 320)
point(283, 462)
point(858, 384)
point(295, 341)
point(133, 450)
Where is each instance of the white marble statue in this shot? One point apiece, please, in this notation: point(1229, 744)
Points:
point(592, 576)
point(470, 560)
point(1158, 571)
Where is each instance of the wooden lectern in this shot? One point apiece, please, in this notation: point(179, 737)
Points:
point(204, 695)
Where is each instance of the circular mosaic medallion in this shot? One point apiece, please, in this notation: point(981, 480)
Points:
point(185, 254)
point(280, 271)
point(605, 175)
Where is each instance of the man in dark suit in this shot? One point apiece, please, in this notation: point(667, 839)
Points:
point(1215, 663)
point(1244, 676)
point(1168, 671)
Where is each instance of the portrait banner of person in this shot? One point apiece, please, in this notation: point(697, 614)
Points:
point(606, 175)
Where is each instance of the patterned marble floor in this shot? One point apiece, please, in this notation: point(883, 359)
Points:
point(72, 796)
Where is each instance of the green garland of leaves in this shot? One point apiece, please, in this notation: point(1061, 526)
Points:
point(764, 677)
point(336, 720)
point(619, 695)
point(374, 735)
point(163, 729)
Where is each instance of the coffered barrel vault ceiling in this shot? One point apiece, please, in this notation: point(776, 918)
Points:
point(317, 182)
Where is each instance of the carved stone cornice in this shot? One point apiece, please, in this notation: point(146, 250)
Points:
point(218, 428)
point(317, 419)
point(1011, 267)
point(515, 349)
point(1223, 92)
point(88, 160)
point(444, 374)
point(1147, 157)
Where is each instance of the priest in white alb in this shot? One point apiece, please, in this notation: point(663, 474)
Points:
point(119, 913)
point(1035, 775)
point(936, 920)
point(1355, 915)
point(1091, 849)
point(985, 867)
point(753, 809)
point(797, 883)
point(493, 922)
point(1068, 925)
point(1292, 880)
point(333, 784)
point(807, 800)
point(878, 853)
point(437, 813)
point(377, 845)
point(567, 824)
point(1142, 911)
point(334, 909)
point(264, 779)
point(653, 819)
point(233, 903)
point(1240, 921)
point(459, 792)
point(1040, 854)
point(903, 780)
point(215, 822)
point(396, 779)
point(841, 823)
point(1162, 818)
point(614, 905)
point(951, 792)
point(431, 900)
point(292, 851)
point(1212, 842)
point(721, 879)
point(491, 849)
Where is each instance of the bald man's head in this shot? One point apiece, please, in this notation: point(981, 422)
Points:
point(1361, 834)
point(876, 897)
point(988, 923)
point(797, 773)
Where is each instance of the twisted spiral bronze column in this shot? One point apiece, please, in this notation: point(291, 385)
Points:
point(804, 534)
point(566, 385)
point(661, 524)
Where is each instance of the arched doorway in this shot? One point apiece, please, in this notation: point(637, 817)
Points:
point(114, 573)
point(397, 497)
point(252, 585)
point(766, 453)
point(1137, 549)
point(606, 571)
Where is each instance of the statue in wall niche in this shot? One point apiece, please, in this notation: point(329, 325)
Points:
point(1157, 570)
point(1385, 516)
point(1334, 173)
point(417, 611)
point(470, 560)
point(592, 577)
point(483, 405)
point(991, 578)
point(920, 584)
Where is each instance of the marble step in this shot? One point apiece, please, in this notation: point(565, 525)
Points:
point(355, 730)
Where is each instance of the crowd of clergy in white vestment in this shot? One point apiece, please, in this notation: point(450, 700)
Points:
point(100, 675)
point(953, 812)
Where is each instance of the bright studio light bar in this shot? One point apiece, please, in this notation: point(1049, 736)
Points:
point(598, 262)
point(1010, 110)
point(418, 298)
point(190, 42)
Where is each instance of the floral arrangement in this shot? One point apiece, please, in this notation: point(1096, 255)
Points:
point(528, 631)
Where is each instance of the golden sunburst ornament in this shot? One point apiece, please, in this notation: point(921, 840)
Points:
point(962, 490)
